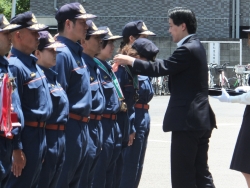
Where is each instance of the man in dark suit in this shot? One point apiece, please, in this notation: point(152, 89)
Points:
point(189, 115)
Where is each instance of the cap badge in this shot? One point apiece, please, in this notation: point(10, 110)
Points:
point(5, 21)
point(144, 27)
point(78, 63)
point(51, 39)
point(94, 26)
point(109, 32)
point(33, 19)
point(81, 9)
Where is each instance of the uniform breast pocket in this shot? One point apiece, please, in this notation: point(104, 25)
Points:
point(81, 77)
point(60, 101)
point(35, 94)
point(110, 93)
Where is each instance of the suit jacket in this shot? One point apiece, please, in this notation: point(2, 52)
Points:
point(188, 107)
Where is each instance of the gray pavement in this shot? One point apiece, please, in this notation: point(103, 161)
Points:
point(156, 173)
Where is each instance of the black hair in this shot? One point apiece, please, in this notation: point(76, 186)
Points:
point(61, 25)
point(87, 37)
point(181, 15)
point(104, 43)
point(125, 41)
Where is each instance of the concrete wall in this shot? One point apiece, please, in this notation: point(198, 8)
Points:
point(213, 16)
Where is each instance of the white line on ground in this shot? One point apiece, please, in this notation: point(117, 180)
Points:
point(218, 124)
point(159, 141)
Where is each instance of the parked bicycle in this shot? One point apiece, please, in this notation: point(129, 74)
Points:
point(242, 76)
point(160, 85)
point(211, 83)
point(223, 81)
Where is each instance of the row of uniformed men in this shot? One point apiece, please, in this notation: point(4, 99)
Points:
point(76, 133)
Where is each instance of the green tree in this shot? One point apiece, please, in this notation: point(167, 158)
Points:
point(6, 6)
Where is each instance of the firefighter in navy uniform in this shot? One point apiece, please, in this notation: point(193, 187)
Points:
point(74, 79)
point(133, 156)
point(9, 143)
point(112, 137)
point(92, 46)
point(130, 85)
point(34, 94)
point(55, 125)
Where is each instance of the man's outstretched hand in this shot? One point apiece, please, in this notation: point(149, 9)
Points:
point(123, 59)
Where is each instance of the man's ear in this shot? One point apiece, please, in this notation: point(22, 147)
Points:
point(67, 24)
point(184, 27)
point(37, 54)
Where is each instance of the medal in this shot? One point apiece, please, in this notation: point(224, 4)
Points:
point(123, 106)
point(136, 96)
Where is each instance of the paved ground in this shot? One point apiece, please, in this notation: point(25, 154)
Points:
point(156, 173)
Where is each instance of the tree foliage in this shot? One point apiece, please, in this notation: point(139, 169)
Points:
point(6, 6)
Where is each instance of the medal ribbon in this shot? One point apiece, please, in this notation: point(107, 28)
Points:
point(113, 77)
point(135, 78)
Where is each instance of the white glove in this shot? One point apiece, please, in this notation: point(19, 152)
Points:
point(224, 97)
point(242, 88)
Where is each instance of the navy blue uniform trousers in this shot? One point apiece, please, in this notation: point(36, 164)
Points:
point(111, 149)
point(31, 138)
point(93, 152)
point(133, 156)
point(76, 135)
point(54, 159)
point(5, 159)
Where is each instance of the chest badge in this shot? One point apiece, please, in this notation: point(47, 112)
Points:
point(32, 75)
point(91, 78)
point(105, 77)
point(78, 63)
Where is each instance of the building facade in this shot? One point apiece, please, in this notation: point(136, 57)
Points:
point(214, 20)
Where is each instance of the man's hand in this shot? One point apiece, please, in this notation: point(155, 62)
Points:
point(242, 88)
point(131, 139)
point(18, 163)
point(224, 97)
point(124, 59)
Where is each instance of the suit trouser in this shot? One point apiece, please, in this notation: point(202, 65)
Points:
point(93, 153)
point(5, 160)
point(77, 136)
point(54, 159)
point(133, 156)
point(111, 149)
point(189, 157)
point(34, 148)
